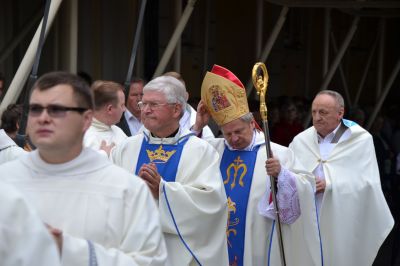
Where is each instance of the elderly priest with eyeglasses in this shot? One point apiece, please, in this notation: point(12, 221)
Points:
point(98, 213)
point(182, 171)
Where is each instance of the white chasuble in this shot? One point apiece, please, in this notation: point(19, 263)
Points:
point(195, 201)
point(354, 216)
point(298, 237)
point(106, 214)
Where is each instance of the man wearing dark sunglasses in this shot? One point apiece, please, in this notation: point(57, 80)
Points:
point(96, 211)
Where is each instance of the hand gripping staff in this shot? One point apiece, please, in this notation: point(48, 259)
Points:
point(260, 81)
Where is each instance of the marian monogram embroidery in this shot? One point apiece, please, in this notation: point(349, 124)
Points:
point(238, 167)
point(159, 155)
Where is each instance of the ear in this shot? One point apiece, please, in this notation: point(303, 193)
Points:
point(109, 108)
point(178, 111)
point(252, 124)
point(87, 119)
point(341, 113)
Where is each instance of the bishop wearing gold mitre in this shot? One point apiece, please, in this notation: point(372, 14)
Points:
point(244, 167)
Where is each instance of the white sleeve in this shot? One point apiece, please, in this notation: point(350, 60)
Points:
point(24, 240)
point(11, 153)
point(142, 244)
point(287, 197)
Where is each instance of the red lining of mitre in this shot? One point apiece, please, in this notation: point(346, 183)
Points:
point(223, 72)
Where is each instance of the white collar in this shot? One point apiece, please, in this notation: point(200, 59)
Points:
point(328, 138)
point(172, 140)
point(86, 162)
point(128, 115)
point(100, 125)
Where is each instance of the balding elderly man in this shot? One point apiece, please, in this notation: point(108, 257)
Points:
point(354, 218)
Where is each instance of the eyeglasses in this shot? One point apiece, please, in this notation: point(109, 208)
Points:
point(53, 110)
point(152, 105)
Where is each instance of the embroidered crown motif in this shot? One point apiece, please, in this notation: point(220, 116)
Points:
point(159, 155)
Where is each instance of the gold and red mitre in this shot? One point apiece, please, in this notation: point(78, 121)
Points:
point(224, 95)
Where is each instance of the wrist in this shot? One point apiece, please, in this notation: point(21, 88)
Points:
point(196, 130)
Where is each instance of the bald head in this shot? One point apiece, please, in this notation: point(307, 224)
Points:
point(327, 111)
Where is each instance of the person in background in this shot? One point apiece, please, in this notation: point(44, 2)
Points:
point(10, 120)
point(109, 105)
point(288, 126)
point(357, 115)
point(130, 121)
point(9, 150)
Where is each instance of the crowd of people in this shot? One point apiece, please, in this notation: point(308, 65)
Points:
point(139, 178)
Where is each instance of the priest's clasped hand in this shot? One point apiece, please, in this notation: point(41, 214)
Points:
point(149, 173)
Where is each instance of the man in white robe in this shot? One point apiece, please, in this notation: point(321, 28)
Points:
point(354, 218)
point(24, 240)
point(9, 150)
point(99, 213)
point(109, 105)
point(182, 172)
point(243, 164)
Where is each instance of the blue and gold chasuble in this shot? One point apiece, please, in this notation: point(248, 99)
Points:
point(165, 156)
point(237, 169)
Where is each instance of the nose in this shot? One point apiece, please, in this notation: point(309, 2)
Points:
point(44, 116)
point(234, 138)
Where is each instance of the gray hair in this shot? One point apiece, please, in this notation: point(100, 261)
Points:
point(172, 88)
point(336, 95)
point(247, 117)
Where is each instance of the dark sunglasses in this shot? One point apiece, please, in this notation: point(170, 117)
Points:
point(53, 110)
